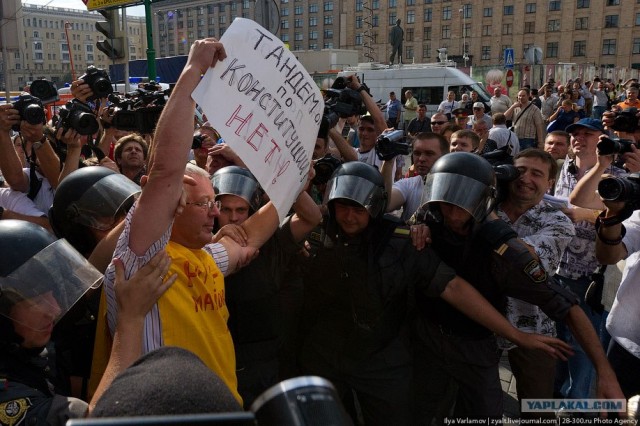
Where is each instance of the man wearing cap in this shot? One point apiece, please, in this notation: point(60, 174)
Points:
point(479, 115)
point(578, 261)
point(461, 117)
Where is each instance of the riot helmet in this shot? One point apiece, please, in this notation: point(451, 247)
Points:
point(463, 179)
point(358, 182)
point(234, 180)
point(39, 275)
point(91, 197)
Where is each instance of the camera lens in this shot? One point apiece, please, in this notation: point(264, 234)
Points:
point(84, 123)
point(33, 114)
point(611, 189)
point(102, 88)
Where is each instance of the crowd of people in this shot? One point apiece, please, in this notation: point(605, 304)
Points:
point(399, 283)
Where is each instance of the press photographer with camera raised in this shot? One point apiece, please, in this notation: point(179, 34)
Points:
point(39, 179)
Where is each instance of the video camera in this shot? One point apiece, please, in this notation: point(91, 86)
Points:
point(44, 90)
point(626, 189)
point(390, 144)
point(99, 82)
point(138, 110)
point(79, 117)
point(342, 102)
point(625, 120)
point(30, 109)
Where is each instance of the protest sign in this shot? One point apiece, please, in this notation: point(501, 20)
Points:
point(266, 107)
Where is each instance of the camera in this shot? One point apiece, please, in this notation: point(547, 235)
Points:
point(505, 171)
point(324, 168)
point(390, 144)
point(79, 117)
point(197, 142)
point(625, 189)
point(30, 109)
point(625, 120)
point(608, 146)
point(138, 111)
point(99, 82)
point(342, 101)
point(44, 90)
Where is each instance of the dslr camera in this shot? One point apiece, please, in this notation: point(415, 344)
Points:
point(99, 82)
point(30, 109)
point(324, 168)
point(625, 120)
point(392, 143)
point(626, 189)
point(79, 117)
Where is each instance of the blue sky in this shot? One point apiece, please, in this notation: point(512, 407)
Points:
point(78, 4)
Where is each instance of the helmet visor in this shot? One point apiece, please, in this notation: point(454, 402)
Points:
point(239, 185)
point(99, 206)
point(50, 283)
point(358, 189)
point(462, 191)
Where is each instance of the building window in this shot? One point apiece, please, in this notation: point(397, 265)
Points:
point(486, 30)
point(428, 15)
point(636, 46)
point(358, 39)
point(582, 4)
point(408, 34)
point(313, 21)
point(392, 18)
point(486, 53)
point(613, 2)
point(393, 3)
point(609, 46)
point(245, 4)
point(529, 27)
point(284, 24)
point(284, 37)
point(508, 10)
point(328, 6)
point(411, 2)
point(411, 16)
point(552, 49)
point(637, 18)
point(222, 19)
point(611, 21)
point(358, 21)
point(446, 31)
point(427, 33)
point(297, 23)
point(582, 23)
point(530, 8)
point(507, 29)
point(375, 21)
point(555, 5)
point(328, 33)
point(553, 25)
point(375, 4)
point(409, 52)
point(298, 10)
point(426, 51)
point(446, 13)
point(487, 12)
point(467, 11)
point(580, 48)
point(328, 45)
point(313, 35)
point(359, 5)
point(313, 8)
point(298, 36)
point(284, 11)
point(313, 46)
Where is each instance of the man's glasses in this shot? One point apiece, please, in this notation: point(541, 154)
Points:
point(208, 204)
point(439, 123)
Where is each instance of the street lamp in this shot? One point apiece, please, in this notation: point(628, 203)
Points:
point(465, 56)
point(66, 32)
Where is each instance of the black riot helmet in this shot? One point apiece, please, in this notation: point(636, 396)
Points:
point(35, 264)
point(90, 197)
point(358, 182)
point(463, 179)
point(234, 180)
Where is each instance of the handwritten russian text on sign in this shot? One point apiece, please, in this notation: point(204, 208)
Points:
point(266, 107)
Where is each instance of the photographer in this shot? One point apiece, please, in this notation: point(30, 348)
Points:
point(40, 177)
point(130, 154)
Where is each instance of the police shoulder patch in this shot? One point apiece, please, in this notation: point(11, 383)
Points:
point(13, 412)
point(402, 232)
point(535, 270)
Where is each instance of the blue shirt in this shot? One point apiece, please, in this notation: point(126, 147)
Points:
point(393, 108)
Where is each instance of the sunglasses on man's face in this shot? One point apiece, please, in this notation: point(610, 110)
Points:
point(439, 123)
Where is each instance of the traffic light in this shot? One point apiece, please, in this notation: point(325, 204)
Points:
point(114, 44)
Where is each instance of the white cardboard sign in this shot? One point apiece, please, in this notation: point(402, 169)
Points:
point(266, 107)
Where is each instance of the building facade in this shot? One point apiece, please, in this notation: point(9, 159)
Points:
point(57, 43)
point(599, 32)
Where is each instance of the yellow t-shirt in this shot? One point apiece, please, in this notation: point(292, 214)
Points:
point(193, 312)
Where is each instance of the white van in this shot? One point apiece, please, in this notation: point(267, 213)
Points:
point(429, 83)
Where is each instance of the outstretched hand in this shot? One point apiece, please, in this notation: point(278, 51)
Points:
point(553, 346)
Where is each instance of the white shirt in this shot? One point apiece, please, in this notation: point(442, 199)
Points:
point(411, 190)
point(18, 202)
point(504, 137)
point(446, 106)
